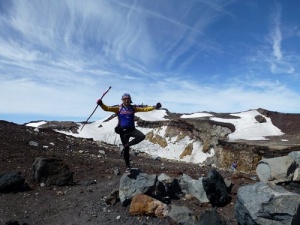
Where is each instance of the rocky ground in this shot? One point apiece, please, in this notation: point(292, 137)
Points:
point(85, 204)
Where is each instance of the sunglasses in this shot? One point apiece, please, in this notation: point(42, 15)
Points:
point(125, 98)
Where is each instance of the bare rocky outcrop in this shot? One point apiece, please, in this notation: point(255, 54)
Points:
point(147, 194)
point(288, 123)
point(63, 125)
point(52, 171)
point(263, 203)
point(213, 136)
point(206, 131)
point(279, 169)
point(275, 198)
point(13, 182)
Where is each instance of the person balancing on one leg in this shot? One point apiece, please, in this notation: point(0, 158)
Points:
point(126, 126)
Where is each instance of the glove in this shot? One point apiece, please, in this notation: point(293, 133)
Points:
point(99, 102)
point(158, 105)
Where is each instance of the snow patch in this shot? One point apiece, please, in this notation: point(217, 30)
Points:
point(196, 115)
point(247, 127)
point(36, 124)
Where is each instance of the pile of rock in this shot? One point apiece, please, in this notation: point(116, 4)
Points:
point(268, 202)
point(151, 195)
point(265, 202)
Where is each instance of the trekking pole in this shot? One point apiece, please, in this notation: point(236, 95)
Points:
point(95, 108)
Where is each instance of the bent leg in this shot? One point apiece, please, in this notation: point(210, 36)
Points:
point(137, 135)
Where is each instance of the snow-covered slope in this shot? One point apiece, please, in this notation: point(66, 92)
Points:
point(246, 127)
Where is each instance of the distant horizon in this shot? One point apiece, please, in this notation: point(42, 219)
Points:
point(23, 119)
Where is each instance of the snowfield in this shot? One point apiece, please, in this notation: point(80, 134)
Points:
point(247, 128)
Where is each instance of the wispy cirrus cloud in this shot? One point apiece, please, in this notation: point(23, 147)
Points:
point(280, 62)
point(192, 55)
point(96, 34)
point(276, 36)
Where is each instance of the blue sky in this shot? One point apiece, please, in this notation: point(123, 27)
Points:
point(57, 57)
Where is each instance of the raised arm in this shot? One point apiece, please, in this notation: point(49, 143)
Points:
point(114, 109)
point(148, 108)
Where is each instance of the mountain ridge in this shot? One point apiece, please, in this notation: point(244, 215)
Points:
point(202, 137)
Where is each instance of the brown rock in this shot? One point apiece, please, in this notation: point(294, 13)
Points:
point(145, 205)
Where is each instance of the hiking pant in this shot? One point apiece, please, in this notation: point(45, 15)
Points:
point(137, 135)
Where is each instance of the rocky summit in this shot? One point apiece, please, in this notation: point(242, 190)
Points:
point(50, 176)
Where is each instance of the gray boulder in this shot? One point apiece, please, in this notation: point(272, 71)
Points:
point(276, 170)
point(184, 181)
point(183, 215)
point(12, 182)
point(268, 204)
point(135, 183)
point(51, 171)
point(211, 217)
point(295, 156)
point(296, 176)
point(194, 187)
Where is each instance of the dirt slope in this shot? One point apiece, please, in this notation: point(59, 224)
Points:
point(79, 204)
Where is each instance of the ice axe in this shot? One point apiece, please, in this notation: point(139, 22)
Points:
point(95, 108)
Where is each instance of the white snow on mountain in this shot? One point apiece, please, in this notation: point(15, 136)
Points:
point(196, 115)
point(247, 128)
point(36, 124)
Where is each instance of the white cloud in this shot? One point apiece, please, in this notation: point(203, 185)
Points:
point(280, 62)
point(66, 51)
point(276, 35)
